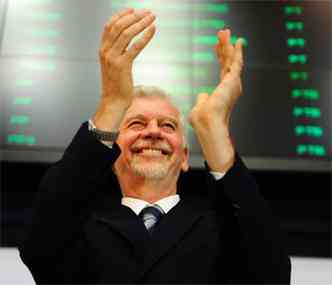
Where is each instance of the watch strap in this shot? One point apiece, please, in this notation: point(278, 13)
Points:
point(108, 138)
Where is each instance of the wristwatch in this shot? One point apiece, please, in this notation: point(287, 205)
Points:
point(105, 136)
point(108, 138)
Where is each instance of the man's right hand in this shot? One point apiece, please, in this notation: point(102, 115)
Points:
point(117, 61)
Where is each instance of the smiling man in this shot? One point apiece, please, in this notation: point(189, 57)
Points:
point(153, 147)
point(122, 206)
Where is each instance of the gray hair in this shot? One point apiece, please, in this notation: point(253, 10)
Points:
point(144, 91)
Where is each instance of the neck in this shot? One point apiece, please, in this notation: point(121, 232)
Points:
point(149, 190)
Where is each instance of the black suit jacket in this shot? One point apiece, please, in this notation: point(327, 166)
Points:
point(220, 232)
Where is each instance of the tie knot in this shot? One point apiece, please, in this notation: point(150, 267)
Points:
point(150, 216)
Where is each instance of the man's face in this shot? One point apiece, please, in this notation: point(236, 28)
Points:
point(151, 140)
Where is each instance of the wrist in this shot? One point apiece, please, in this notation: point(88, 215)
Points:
point(220, 156)
point(217, 145)
point(108, 117)
point(210, 124)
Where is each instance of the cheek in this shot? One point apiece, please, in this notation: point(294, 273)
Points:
point(125, 142)
point(176, 144)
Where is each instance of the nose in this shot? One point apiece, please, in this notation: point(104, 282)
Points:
point(152, 130)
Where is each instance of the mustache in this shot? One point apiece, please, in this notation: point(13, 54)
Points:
point(159, 145)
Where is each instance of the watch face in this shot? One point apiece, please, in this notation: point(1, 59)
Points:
point(105, 136)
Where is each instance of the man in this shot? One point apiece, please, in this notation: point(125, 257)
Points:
point(210, 227)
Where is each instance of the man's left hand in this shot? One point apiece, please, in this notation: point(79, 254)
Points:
point(210, 117)
point(220, 103)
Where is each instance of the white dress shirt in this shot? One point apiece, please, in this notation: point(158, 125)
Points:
point(137, 205)
point(166, 204)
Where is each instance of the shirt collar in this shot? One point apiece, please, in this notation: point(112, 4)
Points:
point(137, 205)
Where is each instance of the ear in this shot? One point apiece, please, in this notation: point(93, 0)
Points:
point(185, 161)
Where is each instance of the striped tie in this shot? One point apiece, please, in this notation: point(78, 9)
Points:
point(150, 216)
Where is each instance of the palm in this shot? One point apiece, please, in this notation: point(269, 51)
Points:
point(220, 103)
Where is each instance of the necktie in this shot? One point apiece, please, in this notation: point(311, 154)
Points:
point(150, 216)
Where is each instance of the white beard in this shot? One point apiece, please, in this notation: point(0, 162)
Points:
point(154, 170)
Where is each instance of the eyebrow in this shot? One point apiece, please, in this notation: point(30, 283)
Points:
point(142, 117)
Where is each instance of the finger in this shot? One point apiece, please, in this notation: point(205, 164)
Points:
point(113, 19)
point(117, 16)
point(237, 64)
point(119, 22)
point(105, 44)
point(127, 35)
point(218, 46)
point(140, 44)
point(225, 51)
point(117, 28)
point(227, 55)
point(225, 46)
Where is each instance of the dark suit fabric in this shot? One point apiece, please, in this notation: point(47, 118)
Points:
point(220, 232)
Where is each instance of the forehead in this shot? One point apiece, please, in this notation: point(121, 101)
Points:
point(152, 107)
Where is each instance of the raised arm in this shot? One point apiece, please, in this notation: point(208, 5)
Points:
point(255, 244)
point(210, 117)
point(116, 61)
point(54, 247)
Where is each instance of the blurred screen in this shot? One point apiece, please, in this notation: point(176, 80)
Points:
point(50, 79)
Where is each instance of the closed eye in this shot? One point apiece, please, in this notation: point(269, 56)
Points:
point(168, 127)
point(136, 124)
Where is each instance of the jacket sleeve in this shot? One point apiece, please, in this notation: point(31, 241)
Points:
point(64, 201)
point(254, 243)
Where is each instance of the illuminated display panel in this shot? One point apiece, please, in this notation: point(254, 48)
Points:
point(50, 82)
